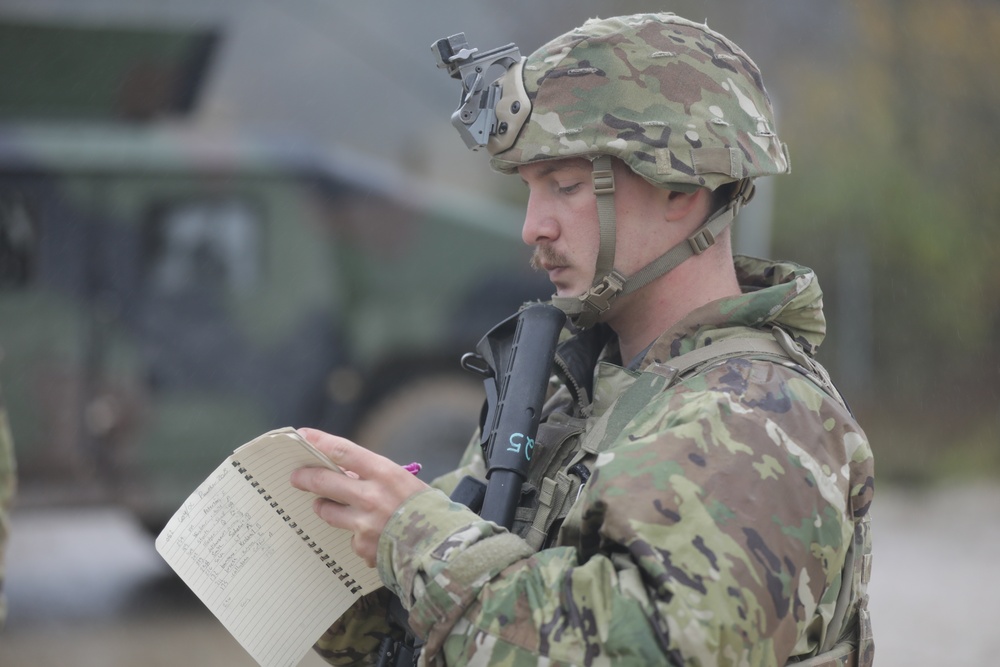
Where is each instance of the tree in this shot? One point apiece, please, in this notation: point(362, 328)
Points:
point(898, 142)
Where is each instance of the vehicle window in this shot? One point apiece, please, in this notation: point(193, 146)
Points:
point(18, 238)
point(201, 245)
point(200, 257)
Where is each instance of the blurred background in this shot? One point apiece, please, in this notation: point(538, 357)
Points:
point(220, 217)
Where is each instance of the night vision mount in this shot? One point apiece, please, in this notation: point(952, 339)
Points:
point(491, 110)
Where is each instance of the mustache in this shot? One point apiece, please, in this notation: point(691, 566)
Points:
point(544, 255)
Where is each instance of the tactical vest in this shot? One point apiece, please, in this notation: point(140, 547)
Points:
point(566, 445)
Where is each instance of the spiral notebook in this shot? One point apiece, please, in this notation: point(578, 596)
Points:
point(251, 548)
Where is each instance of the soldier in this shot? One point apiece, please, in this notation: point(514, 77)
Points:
point(700, 492)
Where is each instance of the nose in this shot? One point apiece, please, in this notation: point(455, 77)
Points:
point(539, 224)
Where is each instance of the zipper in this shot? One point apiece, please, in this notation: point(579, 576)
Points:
point(575, 389)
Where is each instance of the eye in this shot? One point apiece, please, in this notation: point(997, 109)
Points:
point(570, 189)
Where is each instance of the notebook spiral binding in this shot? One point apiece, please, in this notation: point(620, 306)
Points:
point(331, 564)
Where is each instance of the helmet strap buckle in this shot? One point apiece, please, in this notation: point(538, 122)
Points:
point(701, 240)
point(603, 293)
point(604, 181)
point(599, 298)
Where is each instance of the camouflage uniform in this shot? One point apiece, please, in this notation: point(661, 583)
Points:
point(713, 529)
point(7, 486)
point(714, 518)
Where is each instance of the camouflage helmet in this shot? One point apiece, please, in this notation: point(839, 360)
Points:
point(680, 104)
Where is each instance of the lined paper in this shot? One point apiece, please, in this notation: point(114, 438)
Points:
point(252, 549)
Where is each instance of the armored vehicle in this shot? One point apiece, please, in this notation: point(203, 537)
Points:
point(165, 297)
point(168, 293)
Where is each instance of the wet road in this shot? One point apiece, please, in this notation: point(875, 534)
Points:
point(86, 587)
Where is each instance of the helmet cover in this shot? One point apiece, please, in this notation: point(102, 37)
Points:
point(679, 103)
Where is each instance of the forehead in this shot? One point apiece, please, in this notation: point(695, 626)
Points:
point(536, 170)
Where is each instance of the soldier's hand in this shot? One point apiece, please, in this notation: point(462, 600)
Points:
point(361, 501)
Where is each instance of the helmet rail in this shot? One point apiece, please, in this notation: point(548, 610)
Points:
point(484, 114)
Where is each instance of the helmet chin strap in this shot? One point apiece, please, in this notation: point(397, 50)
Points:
point(590, 307)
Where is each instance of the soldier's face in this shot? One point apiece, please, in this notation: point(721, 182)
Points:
point(561, 222)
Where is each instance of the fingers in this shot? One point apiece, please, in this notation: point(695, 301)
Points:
point(346, 454)
point(325, 483)
point(334, 513)
point(363, 500)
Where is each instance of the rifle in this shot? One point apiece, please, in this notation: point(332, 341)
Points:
point(515, 361)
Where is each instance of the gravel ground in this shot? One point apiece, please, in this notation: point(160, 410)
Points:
point(86, 587)
point(934, 579)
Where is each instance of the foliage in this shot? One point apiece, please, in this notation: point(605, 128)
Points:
point(898, 153)
point(894, 151)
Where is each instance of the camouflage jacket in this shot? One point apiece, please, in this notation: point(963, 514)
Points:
point(709, 528)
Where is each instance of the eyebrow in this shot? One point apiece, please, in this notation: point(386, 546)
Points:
point(553, 167)
point(550, 169)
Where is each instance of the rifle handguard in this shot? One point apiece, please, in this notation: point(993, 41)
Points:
point(519, 352)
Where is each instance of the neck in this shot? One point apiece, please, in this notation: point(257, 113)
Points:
point(643, 316)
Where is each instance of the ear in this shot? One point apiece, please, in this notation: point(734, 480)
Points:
point(680, 205)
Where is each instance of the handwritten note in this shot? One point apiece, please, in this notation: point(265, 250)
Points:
point(250, 546)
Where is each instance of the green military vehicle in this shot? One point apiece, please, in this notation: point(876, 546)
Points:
point(167, 295)
point(164, 299)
